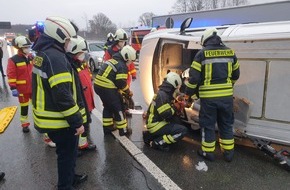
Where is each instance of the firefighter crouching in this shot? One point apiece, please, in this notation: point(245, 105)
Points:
point(212, 75)
point(163, 124)
point(19, 71)
point(76, 50)
point(111, 78)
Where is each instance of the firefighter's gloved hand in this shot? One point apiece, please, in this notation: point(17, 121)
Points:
point(188, 100)
point(130, 94)
point(15, 92)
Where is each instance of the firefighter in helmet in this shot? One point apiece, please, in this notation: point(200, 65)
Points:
point(110, 41)
point(76, 49)
point(164, 127)
point(19, 72)
point(58, 106)
point(212, 75)
point(109, 82)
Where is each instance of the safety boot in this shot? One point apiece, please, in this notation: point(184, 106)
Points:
point(228, 155)
point(125, 131)
point(157, 146)
point(147, 137)
point(48, 141)
point(78, 179)
point(108, 130)
point(207, 155)
point(84, 144)
point(2, 175)
point(25, 128)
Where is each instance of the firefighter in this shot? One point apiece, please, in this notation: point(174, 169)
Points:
point(110, 41)
point(58, 107)
point(111, 79)
point(1, 56)
point(76, 49)
point(119, 42)
point(19, 72)
point(120, 39)
point(33, 35)
point(163, 124)
point(212, 75)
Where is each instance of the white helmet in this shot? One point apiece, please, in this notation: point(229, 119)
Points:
point(21, 41)
point(59, 28)
point(208, 33)
point(153, 29)
point(121, 35)
point(174, 79)
point(110, 35)
point(128, 53)
point(77, 45)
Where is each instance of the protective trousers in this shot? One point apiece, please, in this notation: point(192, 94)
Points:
point(169, 134)
point(113, 108)
point(24, 100)
point(66, 150)
point(216, 111)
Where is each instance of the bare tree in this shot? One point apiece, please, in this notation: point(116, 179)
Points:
point(100, 26)
point(182, 6)
point(146, 18)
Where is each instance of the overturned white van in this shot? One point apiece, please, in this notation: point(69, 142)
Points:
point(263, 51)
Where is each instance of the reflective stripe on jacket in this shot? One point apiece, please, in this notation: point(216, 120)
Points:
point(213, 72)
point(113, 74)
point(19, 73)
point(57, 101)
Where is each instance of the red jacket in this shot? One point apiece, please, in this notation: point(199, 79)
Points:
point(86, 81)
point(19, 73)
point(110, 52)
point(132, 73)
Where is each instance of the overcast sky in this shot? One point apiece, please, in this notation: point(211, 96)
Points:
point(124, 13)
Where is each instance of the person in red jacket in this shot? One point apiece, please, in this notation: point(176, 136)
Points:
point(19, 73)
point(76, 54)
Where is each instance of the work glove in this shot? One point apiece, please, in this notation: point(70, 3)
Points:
point(15, 92)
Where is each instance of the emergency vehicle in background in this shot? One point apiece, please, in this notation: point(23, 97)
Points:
point(262, 49)
point(9, 36)
point(136, 38)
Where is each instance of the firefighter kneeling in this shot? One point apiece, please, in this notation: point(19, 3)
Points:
point(163, 123)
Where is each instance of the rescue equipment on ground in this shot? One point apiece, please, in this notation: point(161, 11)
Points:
point(6, 116)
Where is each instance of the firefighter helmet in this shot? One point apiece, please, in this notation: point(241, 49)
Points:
point(59, 28)
point(121, 35)
point(21, 42)
point(110, 35)
point(77, 45)
point(174, 79)
point(207, 34)
point(128, 53)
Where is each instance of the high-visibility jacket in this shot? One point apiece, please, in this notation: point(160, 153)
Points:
point(19, 72)
point(213, 71)
point(160, 110)
point(113, 74)
point(56, 97)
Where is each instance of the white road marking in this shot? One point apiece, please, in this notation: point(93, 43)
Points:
point(156, 172)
